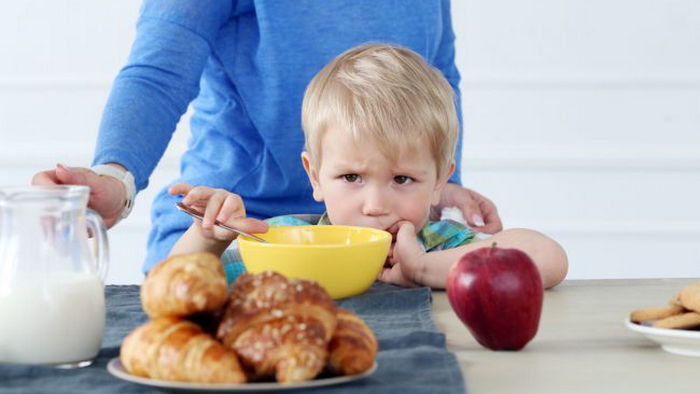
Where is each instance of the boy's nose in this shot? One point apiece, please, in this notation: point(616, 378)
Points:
point(376, 203)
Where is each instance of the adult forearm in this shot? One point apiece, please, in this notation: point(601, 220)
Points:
point(149, 96)
point(137, 125)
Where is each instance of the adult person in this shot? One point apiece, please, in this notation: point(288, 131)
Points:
point(245, 64)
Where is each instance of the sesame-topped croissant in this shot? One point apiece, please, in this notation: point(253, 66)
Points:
point(279, 327)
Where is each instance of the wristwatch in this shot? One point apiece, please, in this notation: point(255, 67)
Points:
point(126, 178)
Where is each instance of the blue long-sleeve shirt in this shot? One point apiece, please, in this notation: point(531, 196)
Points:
point(246, 65)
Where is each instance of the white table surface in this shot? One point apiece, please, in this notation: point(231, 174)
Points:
point(582, 345)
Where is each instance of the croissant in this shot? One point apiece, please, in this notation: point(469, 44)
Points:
point(173, 349)
point(183, 285)
point(353, 347)
point(278, 326)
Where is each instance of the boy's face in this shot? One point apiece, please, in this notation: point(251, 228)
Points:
point(361, 187)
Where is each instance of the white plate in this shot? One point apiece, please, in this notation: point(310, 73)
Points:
point(116, 368)
point(683, 342)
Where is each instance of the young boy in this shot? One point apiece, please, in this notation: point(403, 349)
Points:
point(381, 130)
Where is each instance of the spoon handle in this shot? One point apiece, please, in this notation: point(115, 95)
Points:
point(184, 208)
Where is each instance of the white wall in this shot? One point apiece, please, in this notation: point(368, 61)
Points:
point(582, 119)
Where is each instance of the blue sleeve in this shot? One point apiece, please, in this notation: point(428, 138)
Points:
point(445, 62)
point(149, 95)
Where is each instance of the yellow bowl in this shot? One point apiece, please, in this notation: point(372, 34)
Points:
point(345, 260)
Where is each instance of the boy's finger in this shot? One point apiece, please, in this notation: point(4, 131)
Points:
point(390, 260)
point(395, 276)
point(179, 188)
point(207, 232)
point(197, 194)
point(223, 235)
point(405, 227)
point(233, 207)
point(212, 209)
point(384, 275)
point(405, 240)
point(249, 225)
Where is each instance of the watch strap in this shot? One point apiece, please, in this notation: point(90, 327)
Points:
point(126, 178)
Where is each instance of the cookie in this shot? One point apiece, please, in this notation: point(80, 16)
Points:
point(690, 297)
point(662, 312)
point(676, 300)
point(684, 320)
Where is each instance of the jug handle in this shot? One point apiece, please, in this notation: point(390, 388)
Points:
point(101, 245)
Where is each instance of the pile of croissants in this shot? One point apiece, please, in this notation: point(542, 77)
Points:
point(267, 326)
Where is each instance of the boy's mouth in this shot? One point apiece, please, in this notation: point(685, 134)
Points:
point(393, 230)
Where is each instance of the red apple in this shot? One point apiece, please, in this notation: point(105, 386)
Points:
point(497, 293)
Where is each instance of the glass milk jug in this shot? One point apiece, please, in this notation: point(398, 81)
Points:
point(53, 261)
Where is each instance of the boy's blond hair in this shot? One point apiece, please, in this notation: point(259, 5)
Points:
point(385, 92)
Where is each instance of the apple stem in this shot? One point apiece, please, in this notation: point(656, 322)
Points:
point(493, 247)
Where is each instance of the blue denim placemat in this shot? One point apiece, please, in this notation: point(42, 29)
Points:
point(412, 356)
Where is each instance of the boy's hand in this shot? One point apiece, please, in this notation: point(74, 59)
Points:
point(405, 263)
point(217, 204)
point(479, 211)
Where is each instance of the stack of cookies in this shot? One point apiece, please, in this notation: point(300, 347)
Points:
point(683, 311)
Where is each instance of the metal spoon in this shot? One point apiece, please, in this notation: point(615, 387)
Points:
point(184, 208)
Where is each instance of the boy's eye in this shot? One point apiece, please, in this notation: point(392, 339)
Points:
point(351, 177)
point(402, 179)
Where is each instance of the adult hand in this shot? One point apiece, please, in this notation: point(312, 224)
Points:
point(107, 194)
point(479, 211)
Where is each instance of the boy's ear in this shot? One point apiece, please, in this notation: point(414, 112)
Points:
point(440, 184)
point(313, 176)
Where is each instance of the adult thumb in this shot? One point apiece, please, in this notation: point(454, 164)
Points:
point(472, 214)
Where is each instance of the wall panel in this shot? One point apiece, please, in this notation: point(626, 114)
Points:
point(581, 119)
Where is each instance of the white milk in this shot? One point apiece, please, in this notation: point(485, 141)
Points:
point(59, 320)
